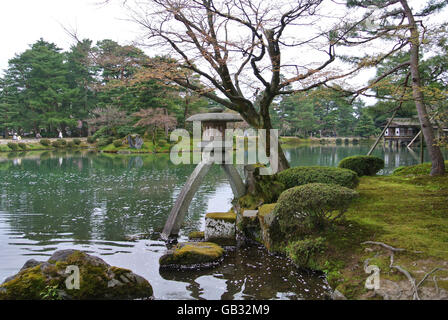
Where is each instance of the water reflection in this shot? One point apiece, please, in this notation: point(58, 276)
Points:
point(94, 202)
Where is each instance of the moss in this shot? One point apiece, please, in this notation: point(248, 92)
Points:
point(420, 169)
point(224, 216)
point(404, 212)
point(250, 201)
point(26, 286)
point(266, 209)
point(94, 279)
point(196, 235)
point(192, 253)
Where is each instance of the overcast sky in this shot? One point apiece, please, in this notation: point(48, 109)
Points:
point(22, 22)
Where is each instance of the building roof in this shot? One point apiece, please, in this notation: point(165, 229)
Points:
point(404, 122)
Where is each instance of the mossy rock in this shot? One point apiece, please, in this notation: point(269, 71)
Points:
point(98, 280)
point(224, 216)
point(270, 234)
point(196, 235)
point(192, 255)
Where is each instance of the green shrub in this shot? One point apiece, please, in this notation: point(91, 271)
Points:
point(77, 141)
point(104, 141)
point(91, 139)
point(56, 144)
point(118, 143)
point(363, 165)
point(123, 131)
point(298, 176)
point(323, 141)
point(71, 144)
point(45, 142)
point(346, 141)
point(305, 252)
point(62, 142)
point(302, 210)
point(355, 141)
point(13, 146)
point(420, 169)
point(101, 133)
point(22, 145)
point(338, 141)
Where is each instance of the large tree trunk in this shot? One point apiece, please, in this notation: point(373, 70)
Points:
point(283, 163)
point(438, 164)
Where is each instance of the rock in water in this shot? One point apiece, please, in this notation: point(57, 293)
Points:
point(220, 228)
point(53, 279)
point(192, 255)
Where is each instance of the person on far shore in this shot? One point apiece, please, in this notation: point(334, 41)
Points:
point(60, 135)
point(38, 136)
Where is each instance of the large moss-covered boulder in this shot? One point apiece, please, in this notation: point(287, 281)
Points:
point(97, 280)
point(192, 255)
point(299, 176)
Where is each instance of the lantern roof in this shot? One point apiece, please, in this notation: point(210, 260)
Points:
point(216, 115)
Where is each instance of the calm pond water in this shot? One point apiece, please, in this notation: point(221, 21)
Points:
point(94, 202)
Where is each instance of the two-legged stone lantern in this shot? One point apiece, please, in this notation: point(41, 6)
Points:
point(214, 125)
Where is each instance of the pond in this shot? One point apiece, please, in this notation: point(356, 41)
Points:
point(99, 202)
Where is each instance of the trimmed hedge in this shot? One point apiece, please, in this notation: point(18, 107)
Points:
point(13, 146)
point(363, 165)
point(22, 146)
point(77, 141)
point(71, 144)
point(60, 143)
point(91, 139)
point(118, 143)
point(105, 141)
point(298, 176)
point(45, 142)
point(301, 210)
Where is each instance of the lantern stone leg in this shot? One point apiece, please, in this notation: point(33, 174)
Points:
point(183, 201)
point(236, 183)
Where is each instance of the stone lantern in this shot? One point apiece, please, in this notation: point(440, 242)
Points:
point(214, 125)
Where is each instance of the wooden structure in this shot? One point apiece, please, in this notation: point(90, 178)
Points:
point(213, 126)
point(403, 131)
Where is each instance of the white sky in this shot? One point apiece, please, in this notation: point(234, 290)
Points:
point(23, 22)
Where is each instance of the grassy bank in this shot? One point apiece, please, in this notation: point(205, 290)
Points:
point(406, 211)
